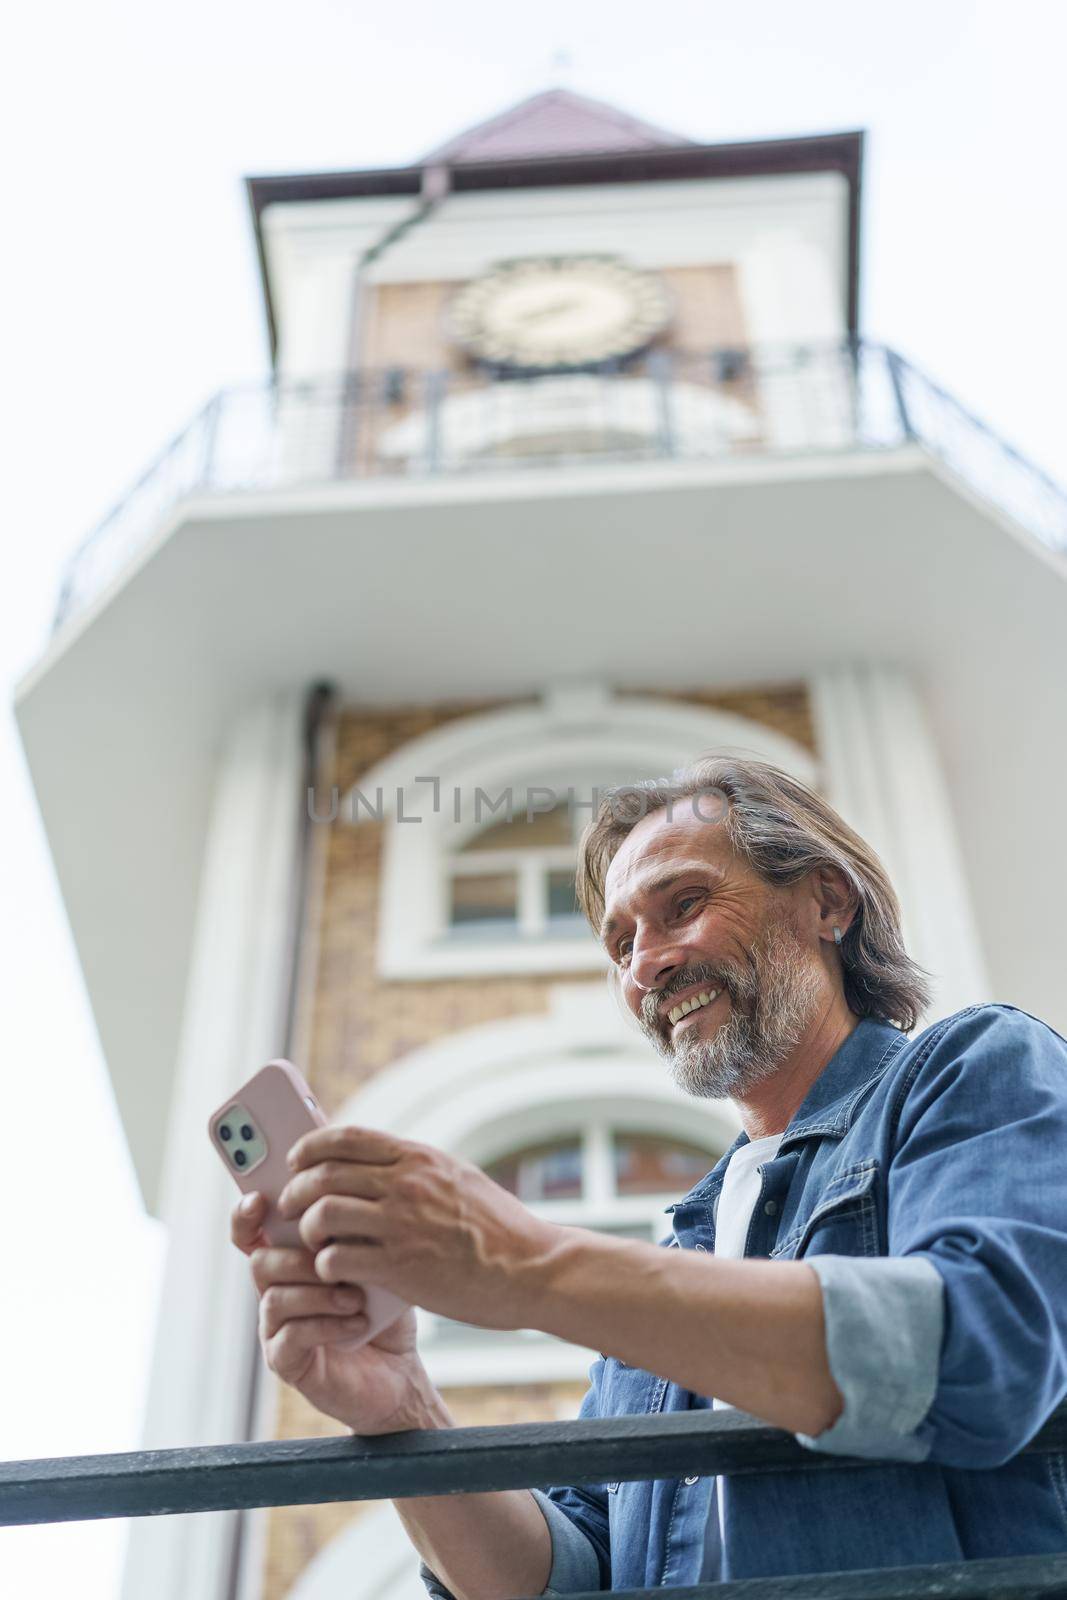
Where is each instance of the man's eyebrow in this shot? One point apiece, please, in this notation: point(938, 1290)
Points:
point(660, 881)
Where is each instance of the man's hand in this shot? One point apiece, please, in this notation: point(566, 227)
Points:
point(381, 1387)
point(375, 1209)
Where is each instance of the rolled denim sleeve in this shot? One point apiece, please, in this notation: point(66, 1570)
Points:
point(434, 1586)
point(884, 1319)
point(976, 1193)
point(575, 1569)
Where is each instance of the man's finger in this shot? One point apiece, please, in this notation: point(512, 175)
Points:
point(277, 1265)
point(337, 1216)
point(331, 1177)
point(286, 1352)
point(349, 1263)
point(345, 1144)
point(246, 1220)
point(284, 1303)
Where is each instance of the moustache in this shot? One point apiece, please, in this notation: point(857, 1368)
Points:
point(702, 973)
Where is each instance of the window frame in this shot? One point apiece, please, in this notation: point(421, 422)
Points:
point(531, 865)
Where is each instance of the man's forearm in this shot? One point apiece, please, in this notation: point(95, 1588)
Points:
point(492, 1546)
point(748, 1332)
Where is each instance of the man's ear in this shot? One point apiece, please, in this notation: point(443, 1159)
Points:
point(836, 897)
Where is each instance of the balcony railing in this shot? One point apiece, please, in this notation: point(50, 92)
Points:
point(721, 404)
point(473, 1460)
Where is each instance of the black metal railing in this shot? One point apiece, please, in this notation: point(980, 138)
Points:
point(718, 404)
point(474, 1460)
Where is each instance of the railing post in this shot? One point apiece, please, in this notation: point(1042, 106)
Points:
point(347, 436)
point(433, 393)
point(852, 352)
point(659, 368)
point(66, 593)
point(896, 368)
point(212, 418)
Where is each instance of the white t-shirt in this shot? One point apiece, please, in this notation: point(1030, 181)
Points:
point(737, 1198)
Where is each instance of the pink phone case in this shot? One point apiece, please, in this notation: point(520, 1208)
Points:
point(277, 1107)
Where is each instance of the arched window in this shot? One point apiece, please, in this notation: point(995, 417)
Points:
point(616, 1180)
point(516, 877)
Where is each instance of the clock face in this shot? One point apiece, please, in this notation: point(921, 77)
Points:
point(552, 312)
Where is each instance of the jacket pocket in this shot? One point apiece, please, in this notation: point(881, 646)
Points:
point(630, 1392)
point(844, 1221)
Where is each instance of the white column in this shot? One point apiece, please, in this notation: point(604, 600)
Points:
point(882, 772)
point(234, 1021)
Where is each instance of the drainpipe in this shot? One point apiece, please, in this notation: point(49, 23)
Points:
point(435, 187)
point(319, 718)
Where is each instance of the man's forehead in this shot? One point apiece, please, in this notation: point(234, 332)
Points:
point(680, 832)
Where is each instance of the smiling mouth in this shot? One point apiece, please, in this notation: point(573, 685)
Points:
point(697, 1002)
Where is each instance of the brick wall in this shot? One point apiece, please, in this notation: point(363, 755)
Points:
point(356, 1029)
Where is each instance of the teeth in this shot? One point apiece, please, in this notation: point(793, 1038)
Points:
point(703, 999)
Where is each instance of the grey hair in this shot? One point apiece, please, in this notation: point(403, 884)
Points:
point(783, 830)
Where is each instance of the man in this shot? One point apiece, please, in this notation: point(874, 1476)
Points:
point(878, 1264)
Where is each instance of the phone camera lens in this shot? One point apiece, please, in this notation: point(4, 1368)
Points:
point(239, 1157)
point(225, 1132)
point(247, 1132)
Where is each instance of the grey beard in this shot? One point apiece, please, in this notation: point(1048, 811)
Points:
point(772, 1001)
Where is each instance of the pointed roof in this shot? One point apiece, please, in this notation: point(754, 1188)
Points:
point(556, 122)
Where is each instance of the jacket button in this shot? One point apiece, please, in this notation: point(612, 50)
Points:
point(690, 1482)
point(771, 1208)
point(701, 1247)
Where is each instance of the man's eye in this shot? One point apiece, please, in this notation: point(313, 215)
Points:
point(687, 900)
point(623, 948)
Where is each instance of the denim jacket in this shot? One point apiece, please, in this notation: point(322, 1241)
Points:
point(925, 1180)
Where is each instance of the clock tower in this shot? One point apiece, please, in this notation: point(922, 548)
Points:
point(573, 465)
point(630, 279)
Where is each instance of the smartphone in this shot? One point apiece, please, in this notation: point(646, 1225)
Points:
point(253, 1133)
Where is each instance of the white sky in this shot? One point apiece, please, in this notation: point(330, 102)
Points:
point(129, 294)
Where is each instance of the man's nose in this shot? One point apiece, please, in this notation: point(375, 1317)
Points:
point(652, 965)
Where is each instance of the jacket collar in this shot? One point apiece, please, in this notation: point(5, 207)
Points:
point(830, 1104)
